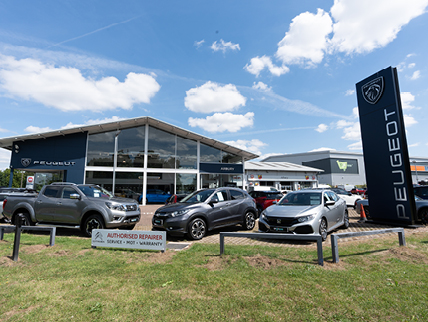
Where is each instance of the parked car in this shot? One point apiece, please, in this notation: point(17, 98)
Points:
point(175, 198)
point(350, 199)
point(81, 206)
point(421, 191)
point(206, 209)
point(358, 191)
point(265, 199)
point(306, 212)
point(127, 193)
point(155, 196)
point(421, 209)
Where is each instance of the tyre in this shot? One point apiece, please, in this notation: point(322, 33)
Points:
point(323, 229)
point(249, 221)
point(197, 229)
point(91, 223)
point(345, 220)
point(26, 221)
point(423, 215)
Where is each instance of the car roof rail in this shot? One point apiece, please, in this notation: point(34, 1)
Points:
point(63, 183)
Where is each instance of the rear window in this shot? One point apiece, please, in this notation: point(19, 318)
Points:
point(51, 191)
point(234, 194)
point(274, 196)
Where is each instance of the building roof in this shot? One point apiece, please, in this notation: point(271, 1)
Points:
point(279, 166)
point(7, 143)
point(321, 152)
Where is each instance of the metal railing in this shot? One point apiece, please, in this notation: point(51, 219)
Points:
point(316, 238)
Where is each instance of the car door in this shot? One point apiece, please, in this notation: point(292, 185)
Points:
point(219, 214)
point(69, 209)
point(46, 204)
point(237, 206)
point(335, 209)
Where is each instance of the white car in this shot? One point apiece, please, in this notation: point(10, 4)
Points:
point(350, 199)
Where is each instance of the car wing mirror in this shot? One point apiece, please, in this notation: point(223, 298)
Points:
point(75, 196)
point(213, 201)
point(330, 203)
point(274, 202)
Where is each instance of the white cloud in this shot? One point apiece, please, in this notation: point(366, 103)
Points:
point(406, 100)
point(67, 89)
point(409, 120)
point(257, 64)
point(4, 159)
point(321, 128)
point(198, 44)
point(356, 146)
point(350, 92)
point(221, 122)
point(364, 25)
point(414, 145)
point(212, 97)
point(351, 130)
point(343, 123)
point(411, 65)
point(261, 87)
point(253, 146)
point(36, 129)
point(223, 46)
point(3, 130)
point(306, 40)
point(416, 74)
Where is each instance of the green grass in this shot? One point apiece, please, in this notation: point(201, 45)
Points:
point(375, 280)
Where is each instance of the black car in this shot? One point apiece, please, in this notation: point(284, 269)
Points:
point(421, 191)
point(204, 210)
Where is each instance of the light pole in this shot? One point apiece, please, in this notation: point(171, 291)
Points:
point(416, 170)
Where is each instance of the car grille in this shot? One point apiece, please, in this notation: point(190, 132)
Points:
point(161, 215)
point(131, 207)
point(281, 221)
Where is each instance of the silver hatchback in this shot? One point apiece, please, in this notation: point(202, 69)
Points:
point(306, 212)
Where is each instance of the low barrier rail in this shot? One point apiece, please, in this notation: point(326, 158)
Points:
point(336, 237)
point(11, 229)
point(317, 238)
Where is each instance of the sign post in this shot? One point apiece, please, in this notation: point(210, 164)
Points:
point(386, 156)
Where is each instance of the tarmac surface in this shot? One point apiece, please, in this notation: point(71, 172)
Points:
point(213, 237)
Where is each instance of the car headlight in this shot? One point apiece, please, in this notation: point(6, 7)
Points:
point(115, 206)
point(179, 213)
point(263, 215)
point(305, 218)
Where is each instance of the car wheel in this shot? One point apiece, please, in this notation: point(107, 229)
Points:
point(91, 223)
point(26, 221)
point(323, 229)
point(423, 214)
point(197, 229)
point(345, 220)
point(250, 221)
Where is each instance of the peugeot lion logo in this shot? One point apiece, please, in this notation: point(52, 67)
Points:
point(372, 91)
point(25, 162)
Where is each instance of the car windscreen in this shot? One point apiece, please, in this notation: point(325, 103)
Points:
point(301, 199)
point(95, 192)
point(198, 196)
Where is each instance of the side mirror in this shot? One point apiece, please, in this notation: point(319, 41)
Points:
point(274, 202)
point(213, 201)
point(75, 196)
point(330, 203)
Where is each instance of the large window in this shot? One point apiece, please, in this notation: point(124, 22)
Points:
point(230, 158)
point(130, 148)
point(161, 149)
point(101, 149)
point(187, 153)
point(185, 183)
point(210, 154)
point(102, 178)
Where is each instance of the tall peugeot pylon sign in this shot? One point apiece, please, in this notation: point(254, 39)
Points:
point(386, 156)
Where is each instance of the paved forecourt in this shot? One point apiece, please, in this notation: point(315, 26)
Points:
point(213, 237)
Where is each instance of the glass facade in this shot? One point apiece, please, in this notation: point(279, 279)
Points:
point(172, 162)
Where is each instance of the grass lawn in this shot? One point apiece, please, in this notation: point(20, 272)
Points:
point(375, 280)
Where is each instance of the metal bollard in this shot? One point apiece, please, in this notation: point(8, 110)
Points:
point(19, 221)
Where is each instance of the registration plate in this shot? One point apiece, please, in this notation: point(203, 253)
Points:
point(159, 222)
point(281, 229)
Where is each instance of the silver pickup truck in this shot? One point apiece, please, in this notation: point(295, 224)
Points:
point(82, 206)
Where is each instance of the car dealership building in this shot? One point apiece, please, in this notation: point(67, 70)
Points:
point(345, 168)
point(134, 154)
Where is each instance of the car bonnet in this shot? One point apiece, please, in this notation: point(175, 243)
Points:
point(290, 211)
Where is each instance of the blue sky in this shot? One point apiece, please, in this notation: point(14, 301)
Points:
point(270, 77)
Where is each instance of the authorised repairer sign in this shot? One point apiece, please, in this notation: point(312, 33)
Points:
point(154, 240)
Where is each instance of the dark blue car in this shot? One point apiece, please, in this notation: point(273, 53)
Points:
point(155, 196)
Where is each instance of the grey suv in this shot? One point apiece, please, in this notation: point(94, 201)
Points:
point(205, 210)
